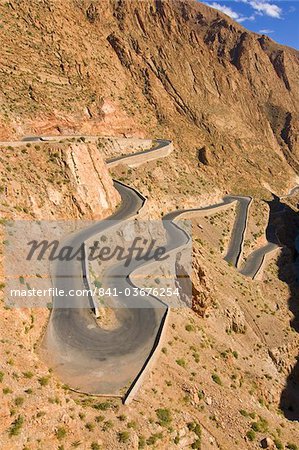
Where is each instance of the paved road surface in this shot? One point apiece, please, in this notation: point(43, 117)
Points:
point(98, 361)
point(85, 356)
point(237, 238)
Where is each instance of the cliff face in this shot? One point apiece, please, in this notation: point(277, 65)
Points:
point(157, 67)
point(55, 181)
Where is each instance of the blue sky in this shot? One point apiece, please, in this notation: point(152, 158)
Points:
point(278, 19)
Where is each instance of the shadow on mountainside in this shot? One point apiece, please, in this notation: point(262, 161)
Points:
point(283, 228)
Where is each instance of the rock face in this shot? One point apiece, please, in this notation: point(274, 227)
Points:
point(64, 182)
point(117, 69)
point(202, 292)
point(268, 443)
point(94, 187)
point(204, 155)
point(199, 297)
point(237, 322)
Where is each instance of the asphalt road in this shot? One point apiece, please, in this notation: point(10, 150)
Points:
point(99, 361)
point(87, 357)
point(256, 259)
point(91, 359)
point(237, 238)
point(160, 143)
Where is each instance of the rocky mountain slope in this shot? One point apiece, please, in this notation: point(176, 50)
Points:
point(225, 95)
point(229, 100)
point(64, 181)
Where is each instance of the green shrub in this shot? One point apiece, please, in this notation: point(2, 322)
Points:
point(181, 362)
point(89, 426)
point(102, 406)
point(291, 446)
point(196, 357)
point(196, 444)
point(154, 438)
point(200, 394)
point(278, 444)
point(28, 374)
point(123, 436)
point(99, 419)
point(95, 446)
point(19, 401)
point(164, 416)
point(60, 433)
point(197, 430)
point(216, 379)
point(6, 390)
point(108, 424)
point(44, 381)
point(195, 427)
point(261, 426)
point(141, 442)
point(16, 426)
point(250, 435)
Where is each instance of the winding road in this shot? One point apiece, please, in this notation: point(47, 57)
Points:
point(94, 360)
point(88, 358)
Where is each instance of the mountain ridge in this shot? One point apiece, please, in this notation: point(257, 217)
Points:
point(157, 68)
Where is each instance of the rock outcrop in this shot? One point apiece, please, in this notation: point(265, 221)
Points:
point(202, 291)
point(64, 182)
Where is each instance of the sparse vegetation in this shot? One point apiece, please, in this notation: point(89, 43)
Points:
point(44, 381)
point(16, 426)
point(291, 446)
point(28, 374)
point(181, 362)
point(251, 435)
point(216, 379)
point(123, 437)
point(95, 446)
point(164, 416)
point(60, 433)
point(19, 401)
point(260, 426)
